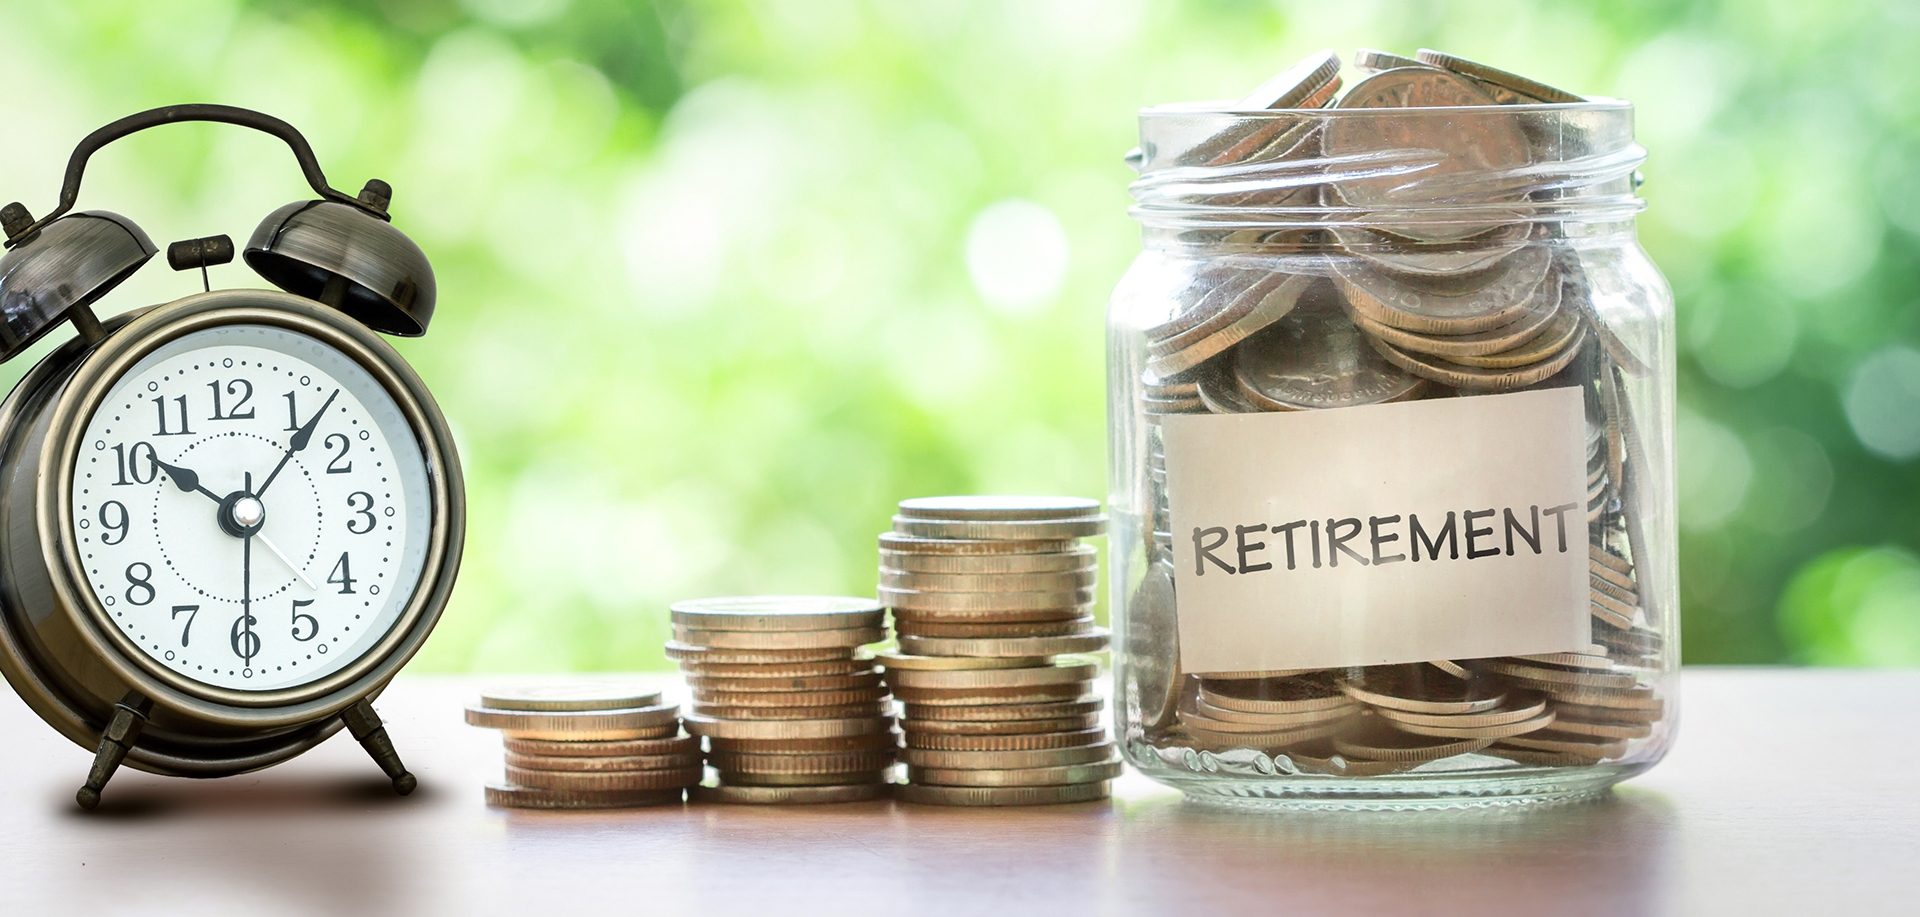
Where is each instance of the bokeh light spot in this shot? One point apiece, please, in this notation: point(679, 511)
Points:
point(1017, 255)
point(1883, 402)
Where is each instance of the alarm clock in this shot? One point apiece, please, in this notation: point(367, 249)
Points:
point(227, 521)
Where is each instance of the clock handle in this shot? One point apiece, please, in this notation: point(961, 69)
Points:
point(21, 227)
point(129, 717)
point(365, 726)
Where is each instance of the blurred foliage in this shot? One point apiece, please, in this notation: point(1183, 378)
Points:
point(722, 281)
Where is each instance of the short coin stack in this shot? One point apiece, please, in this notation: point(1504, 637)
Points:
point(988, 595)
point(588, 747)
point(790, 712)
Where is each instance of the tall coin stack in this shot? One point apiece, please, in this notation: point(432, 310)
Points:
point(588, 747)
point(790, 711)
point(989, 595)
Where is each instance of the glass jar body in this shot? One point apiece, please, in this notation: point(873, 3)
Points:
point(1392, 498)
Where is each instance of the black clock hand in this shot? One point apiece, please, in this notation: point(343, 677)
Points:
point(185, 479)
point(248, 640)
point(298, 441)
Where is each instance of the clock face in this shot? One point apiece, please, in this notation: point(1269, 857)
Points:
point(251, 508)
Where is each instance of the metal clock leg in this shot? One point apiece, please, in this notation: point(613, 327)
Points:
point(365, 726)
point(129, 717)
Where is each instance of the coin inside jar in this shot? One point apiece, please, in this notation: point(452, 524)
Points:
point(1315, 358)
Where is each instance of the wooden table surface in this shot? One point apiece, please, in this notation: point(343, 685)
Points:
point(1790, 792)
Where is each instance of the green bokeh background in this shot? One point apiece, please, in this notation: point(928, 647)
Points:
point(720, 282)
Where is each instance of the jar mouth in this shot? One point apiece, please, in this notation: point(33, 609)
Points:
point(1428, 172)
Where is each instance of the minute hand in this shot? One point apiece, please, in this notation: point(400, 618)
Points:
point(298, 441)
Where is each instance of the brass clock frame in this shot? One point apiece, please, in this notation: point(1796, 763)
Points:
point(79, 672)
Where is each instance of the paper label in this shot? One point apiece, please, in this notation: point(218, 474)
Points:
point(1451, 528)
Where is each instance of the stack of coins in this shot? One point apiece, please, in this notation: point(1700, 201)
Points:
point(990, 596)
point(588, 747)
point(1385, 306)
point(791, 711)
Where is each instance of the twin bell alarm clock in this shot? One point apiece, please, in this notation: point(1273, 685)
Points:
point(225, 522)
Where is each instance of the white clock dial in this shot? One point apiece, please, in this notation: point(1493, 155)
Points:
point(251, 507)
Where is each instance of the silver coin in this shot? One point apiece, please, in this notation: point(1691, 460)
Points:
point(1315, 358)
point(1152, 636)
point(1521, 280)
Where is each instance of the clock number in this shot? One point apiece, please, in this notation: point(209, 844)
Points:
point(313, 623)
point(367, 511)
point(293, 414)
point(245, 396)
point(129, 463)
point(334, 466)
point(125, 522)
point(245, 643)
point(139, 582)
point(193, 611)
point(342, 575)
point(160, 408)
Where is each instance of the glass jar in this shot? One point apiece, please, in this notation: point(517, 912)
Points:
point(1391, 421)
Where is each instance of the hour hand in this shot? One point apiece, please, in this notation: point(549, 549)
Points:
point(185, 479)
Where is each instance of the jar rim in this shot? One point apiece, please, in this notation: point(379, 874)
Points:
point(1227, 107)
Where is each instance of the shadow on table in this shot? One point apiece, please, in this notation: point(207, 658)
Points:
point(1610, 856)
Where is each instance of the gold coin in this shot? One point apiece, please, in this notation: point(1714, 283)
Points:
point(1091, 642)
point(777, 613)
point(787, 729)
point(1005, 743)
point(895, 662)
point(971, 630)
point(1540, 758)
point(1080, 706)
point(908, 617)
point(1611, 715)
point(788, 795)
point(1390, 745)
point(567, 698)
point(776, 671)
point(1079, 557)
point(1396, 689)
point(1032, 776)
point(541, 724)
point(670, 745)
point(838, 712)
point(1273, 695)
point(1464, 731)
point(525, 797)
point(980, 697)
point(879, 741)
point(1563, 332)
point(999, 727)
point(1527, 324)
point(1559, 677)
point(1610, 560)
point(1524, 707)
point(838, 698)
point(1460, 375)
point(740, 685)
point(847, 762)
point(1080, 527)
point(1072, 669)
point(1602, 729)
point(701, 655)
point(733, 778)
point(1563, 743)
point(967, 547)
point(624, 763)
point(1002, 795)
point(678, 777)
point(778, 640)
point(914, 600)
point(1211, 740)
point(1318, 756)
point(1198, 709)
point(1063, 581)
point(1506, 88)
point(1623, 698)
point(1008, 760)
